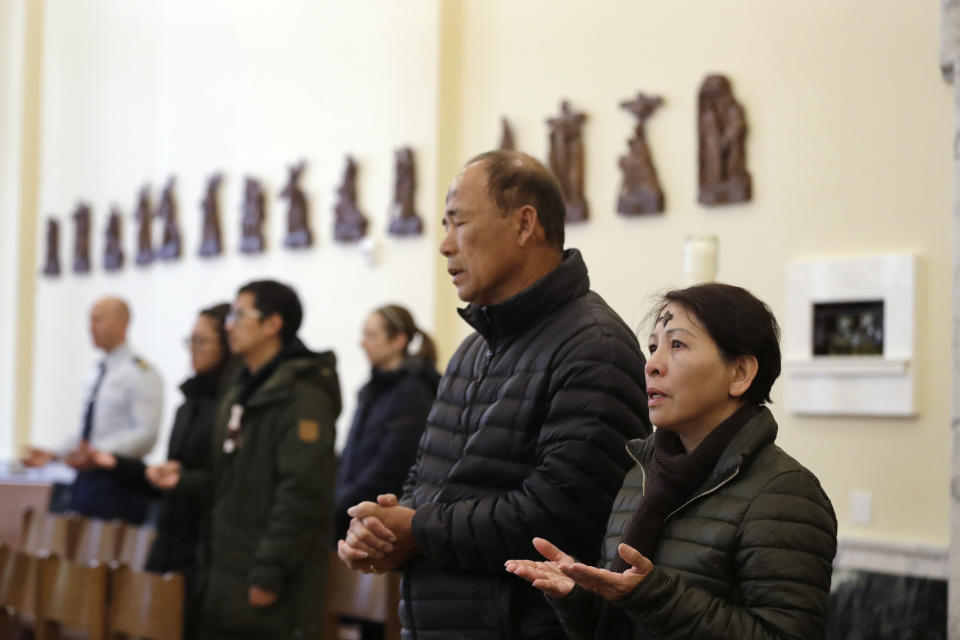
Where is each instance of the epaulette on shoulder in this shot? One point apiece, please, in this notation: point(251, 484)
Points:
point(140, 362)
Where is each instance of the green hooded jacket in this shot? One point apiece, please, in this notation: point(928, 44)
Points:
point(270, 500)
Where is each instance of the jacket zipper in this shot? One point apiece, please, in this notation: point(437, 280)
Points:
point(643, 484)
point(643, 472)
point(705, 493)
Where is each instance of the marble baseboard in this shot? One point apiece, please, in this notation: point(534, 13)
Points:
point(894, 558)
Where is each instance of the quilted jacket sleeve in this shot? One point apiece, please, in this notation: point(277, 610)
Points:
point(596, 401)
point(786, 544)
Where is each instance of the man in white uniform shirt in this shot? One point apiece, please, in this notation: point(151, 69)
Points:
point(121, 414)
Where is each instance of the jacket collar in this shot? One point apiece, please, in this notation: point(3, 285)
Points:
point(757, 433)
point(519, 312)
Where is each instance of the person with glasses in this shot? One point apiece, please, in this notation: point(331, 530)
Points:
point(179, 517)
point(269, 483)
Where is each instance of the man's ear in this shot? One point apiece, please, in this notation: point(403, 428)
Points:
point(273, 324)
point(744, 371)
point(529, 227)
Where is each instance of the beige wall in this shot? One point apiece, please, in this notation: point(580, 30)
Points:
point(849, 150)
point(850, 155)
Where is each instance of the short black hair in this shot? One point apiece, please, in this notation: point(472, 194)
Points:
point(515, 179)
point(740, 323)
point(272, 297)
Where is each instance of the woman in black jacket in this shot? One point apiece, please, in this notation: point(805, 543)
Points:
point(179, 518)
point(716, 533)
point(391, 411)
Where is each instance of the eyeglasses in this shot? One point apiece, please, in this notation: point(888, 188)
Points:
point(192, 342)
point(239, 314)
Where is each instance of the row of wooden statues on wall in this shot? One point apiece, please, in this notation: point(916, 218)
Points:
point(723, 179)
point(721, 128)
point(350, 223)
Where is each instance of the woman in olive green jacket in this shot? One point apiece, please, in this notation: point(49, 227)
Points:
point(716, 533)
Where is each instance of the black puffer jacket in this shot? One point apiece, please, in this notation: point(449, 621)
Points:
point(750, 556)
point(178, 520)
point(525, 439)
point(391, 413)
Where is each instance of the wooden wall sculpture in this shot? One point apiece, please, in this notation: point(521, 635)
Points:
point(640, 191)
point(404, 220)
point(298, 227)
point(566, 159)
point(210, 238)
point(253, 216)
point(506, 136)
point(113, 247)
point(167, 213)
point(350, 224)
point(81, 238)
point(51, 262)
point(144, 218)
point(722, 128)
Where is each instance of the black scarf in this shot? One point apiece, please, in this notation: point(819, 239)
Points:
point(672, 478)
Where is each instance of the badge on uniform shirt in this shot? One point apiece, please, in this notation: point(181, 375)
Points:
point(309, 430)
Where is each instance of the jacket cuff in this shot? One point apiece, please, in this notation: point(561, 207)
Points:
point(645, 595)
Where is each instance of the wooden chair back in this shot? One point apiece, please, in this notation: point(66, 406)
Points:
point(145, 605)
point(53, 533)
point(373, 597)
point(99, 541)
point(18, 590)
point(18, 582)
point(135, 546)
point(71, 595)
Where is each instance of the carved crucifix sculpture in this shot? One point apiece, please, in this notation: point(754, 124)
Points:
point(144, 217)
point(51, 263)
point(167, 213)
point(81, 238)
point(254, 211)
point(298, 227)
point(210, 205)
point(640, 191)
point(404, 220)
point(722, 129)
point(113, 248)
point(566, 159)
point(350, 224)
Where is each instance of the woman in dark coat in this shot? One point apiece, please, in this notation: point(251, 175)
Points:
point(717, 532)
point(178, 522)
point(391, 411)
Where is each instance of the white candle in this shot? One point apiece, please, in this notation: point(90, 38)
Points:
point(699, 259)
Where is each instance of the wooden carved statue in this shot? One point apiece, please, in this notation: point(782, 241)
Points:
point(252, 218)
point(210, 205)
point(113, 248)
point(566, 159)
point(350, 224)
point(722, 129)
point(640, 192)
point(81, 238)
point(298, 228)
point(506, 136)
point(51, 263)
point(404, 220)
point(167, 213)
point(144, 217)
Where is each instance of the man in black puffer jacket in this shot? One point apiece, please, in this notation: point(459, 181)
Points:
point(526, 436)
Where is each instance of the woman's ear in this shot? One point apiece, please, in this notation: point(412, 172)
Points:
point(744, 371)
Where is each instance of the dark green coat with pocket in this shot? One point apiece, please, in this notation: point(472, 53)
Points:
point(749, 556)
point(270, 502)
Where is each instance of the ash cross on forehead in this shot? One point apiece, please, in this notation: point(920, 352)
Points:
point(665, 318)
